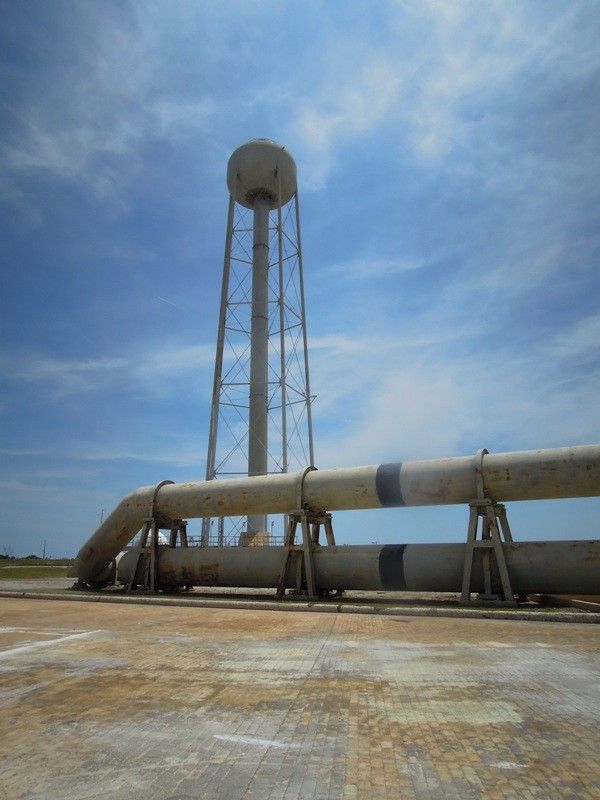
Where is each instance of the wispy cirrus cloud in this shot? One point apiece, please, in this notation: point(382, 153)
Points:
point(438, 89)
point(346, 109)
point(19, 452)
point(112, 99)
point(370, 268)
point(437, 394)
point(145, 453)
point(579, 344)
point(153, 368)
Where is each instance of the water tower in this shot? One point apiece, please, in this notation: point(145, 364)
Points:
point(261, 403)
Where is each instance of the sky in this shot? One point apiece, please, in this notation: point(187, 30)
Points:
point(448, 163)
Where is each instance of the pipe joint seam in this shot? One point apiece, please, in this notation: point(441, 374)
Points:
point(479, 483)
point(157, 489)
point(300, 504)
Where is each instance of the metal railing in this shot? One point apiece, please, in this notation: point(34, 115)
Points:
point(232, 541)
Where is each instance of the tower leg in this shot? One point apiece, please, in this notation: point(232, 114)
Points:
point(311, 453)
point(216, 393)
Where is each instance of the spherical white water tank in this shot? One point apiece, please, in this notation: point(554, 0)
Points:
point(261, 167)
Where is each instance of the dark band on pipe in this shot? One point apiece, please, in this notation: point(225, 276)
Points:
point(391, 567)
point(387, 484)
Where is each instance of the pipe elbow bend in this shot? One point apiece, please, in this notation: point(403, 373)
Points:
point(93, 564)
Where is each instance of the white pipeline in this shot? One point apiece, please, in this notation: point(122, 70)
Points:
point(526, 475)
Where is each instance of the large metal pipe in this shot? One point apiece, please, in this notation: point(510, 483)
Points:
point(568, 567)
point(259, 351)
point(526, 475)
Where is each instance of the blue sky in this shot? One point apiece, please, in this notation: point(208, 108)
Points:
point(448, 171)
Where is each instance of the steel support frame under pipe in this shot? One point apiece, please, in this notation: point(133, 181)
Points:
point(494, 526)
point(310, 525)
point(149, 542)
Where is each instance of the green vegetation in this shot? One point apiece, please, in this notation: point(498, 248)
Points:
point(33, 567)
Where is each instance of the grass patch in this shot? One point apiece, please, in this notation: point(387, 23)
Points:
point(32, 572)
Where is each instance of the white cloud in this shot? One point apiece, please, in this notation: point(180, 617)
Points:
point(369, 268)
point(14, 487)
point(386, 400)
point(155, 369)
point(171, 361)
point(111, 452)
point(433, 85)
point(87, 126)
point(409, 411)
point(179, 118)
point(67, 376)
point(581, 342)
point(74, 151)
point(345, 108)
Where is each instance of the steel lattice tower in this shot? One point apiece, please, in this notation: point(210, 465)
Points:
point(261, 403)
